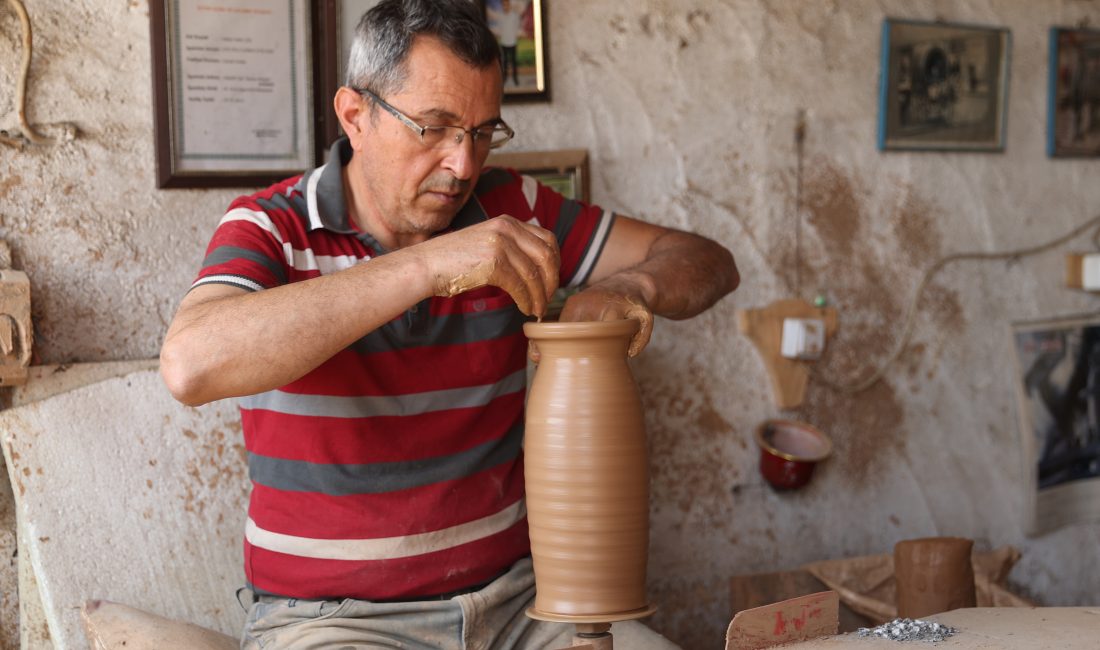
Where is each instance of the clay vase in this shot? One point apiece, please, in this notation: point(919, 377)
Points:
point(934, 575)
point(586, 475)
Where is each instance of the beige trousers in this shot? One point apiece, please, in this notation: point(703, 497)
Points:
point(490, 619)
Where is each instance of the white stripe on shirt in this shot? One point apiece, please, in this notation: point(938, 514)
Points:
point(244, 283)
point(594, 249)
point(386, 548)
point(530, 191)
point(311, 199)
point(258, 218)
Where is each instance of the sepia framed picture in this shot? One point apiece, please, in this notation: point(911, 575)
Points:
point(943, 86)
point(1058, 398)
point(1073, 111)
point(520, 29)
point(232, 92)
point(564, 170)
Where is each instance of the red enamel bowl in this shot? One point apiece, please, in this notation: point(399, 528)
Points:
point(789, 451)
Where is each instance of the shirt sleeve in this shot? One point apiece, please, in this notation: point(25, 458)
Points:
point(247, 250)
point(581, 229)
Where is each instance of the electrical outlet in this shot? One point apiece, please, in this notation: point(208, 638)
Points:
point(1083, 271)
point(803, 338)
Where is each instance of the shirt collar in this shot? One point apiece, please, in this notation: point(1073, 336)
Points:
point(323, 189)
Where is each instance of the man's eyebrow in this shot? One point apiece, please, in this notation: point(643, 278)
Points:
point(447, 117)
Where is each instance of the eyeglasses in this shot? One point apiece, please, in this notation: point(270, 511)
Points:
point(489, 136)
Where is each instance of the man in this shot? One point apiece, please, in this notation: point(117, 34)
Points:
point(506, 22)
point(369, 314)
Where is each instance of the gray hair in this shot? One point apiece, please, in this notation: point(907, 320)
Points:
point(386, 32)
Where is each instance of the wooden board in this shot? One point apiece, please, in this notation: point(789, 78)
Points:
point(991, 628)
point(756, 589)
point(126, 495)
point(764, 327)
point(796, 619)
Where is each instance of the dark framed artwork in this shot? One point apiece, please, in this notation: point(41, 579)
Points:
point(943, 86)
point(520, 29)
point(233, 93)
point(1058, 396)
point(1073, 111)
point(564, 170)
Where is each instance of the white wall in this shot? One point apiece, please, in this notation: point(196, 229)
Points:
point(687, 109)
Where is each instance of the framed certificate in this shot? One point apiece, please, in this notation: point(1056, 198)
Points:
point(233, 97)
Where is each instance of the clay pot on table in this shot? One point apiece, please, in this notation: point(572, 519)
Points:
point(586, 475)
point(934, 575)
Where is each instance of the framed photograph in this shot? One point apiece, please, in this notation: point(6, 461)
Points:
point(942, 86)
point(1058, 394)
point(1073, 112)
point(520, 28)
point(564, 170)
point(232, 92)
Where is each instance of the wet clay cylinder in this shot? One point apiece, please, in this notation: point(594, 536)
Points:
point(586, 475)
point(934, 575)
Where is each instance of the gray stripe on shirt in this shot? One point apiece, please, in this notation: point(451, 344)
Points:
point(223, 254)
point(449, 329)
point(381, 405)
point(379, 478)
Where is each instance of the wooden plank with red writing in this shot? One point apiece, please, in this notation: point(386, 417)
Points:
point(797, 619)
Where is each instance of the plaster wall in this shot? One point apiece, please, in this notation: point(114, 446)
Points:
point(688, 110)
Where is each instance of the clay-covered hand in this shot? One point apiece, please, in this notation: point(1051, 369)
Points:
point(612, 299)
point(520, 258)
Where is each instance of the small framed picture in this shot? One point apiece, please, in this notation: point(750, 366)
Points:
point(520, 28)
point(564, 170)
point(943, 86)
point(1073, 113)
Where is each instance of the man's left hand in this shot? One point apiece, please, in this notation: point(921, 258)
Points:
point(612, 299)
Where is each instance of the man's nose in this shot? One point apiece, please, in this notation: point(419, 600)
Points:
point(462, 158)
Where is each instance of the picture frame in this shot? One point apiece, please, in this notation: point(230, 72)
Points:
point(1058, 398)
point(943, 86)
point(564, 170)
point(520, 30)
point(223, 77)
point(1073, 98)
point(335, 29)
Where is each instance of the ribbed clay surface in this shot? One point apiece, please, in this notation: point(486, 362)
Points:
point(586, 472)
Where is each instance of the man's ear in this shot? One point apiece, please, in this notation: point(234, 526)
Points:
point(350, 108)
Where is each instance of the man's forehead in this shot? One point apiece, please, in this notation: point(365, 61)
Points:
point(443, 85)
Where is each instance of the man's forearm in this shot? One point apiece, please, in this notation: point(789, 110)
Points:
point(682, 275)
point(240, 344)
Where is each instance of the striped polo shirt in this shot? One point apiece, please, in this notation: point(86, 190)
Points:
point(394, 469)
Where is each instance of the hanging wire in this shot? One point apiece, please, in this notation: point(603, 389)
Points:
point(799, 140)
point(910, 318)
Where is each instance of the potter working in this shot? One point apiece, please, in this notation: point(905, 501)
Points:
point(369, 315)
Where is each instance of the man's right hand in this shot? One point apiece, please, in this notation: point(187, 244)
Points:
point(520, 258)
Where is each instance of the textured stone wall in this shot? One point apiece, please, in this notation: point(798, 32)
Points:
point(688, 109)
